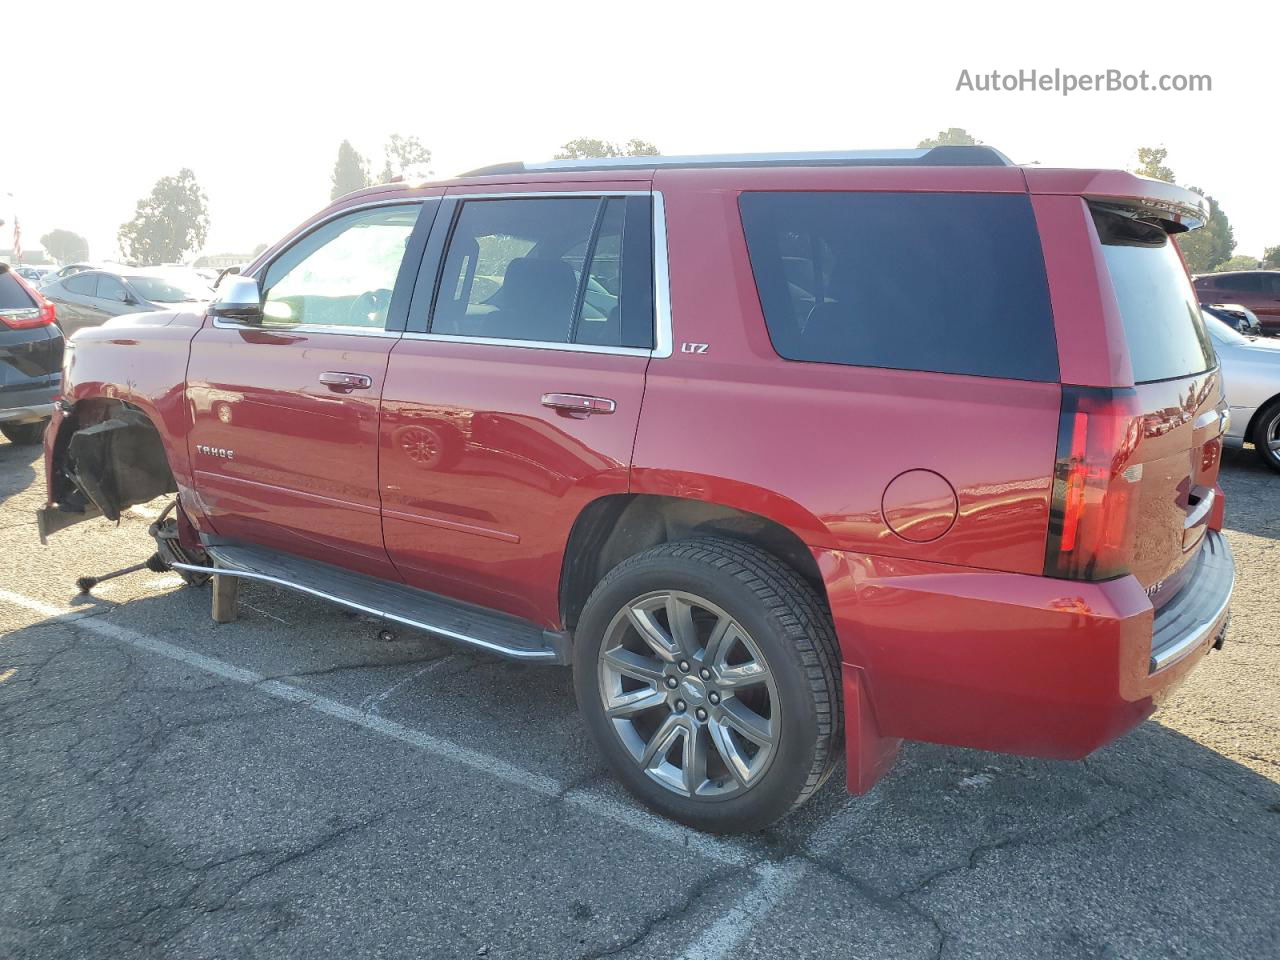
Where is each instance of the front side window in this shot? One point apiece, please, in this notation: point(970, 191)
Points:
point(545, 269)
point(938, 282)
point(341, 274)
point(109, 288)
point(172, 288)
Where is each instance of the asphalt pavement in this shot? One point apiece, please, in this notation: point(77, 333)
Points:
point(290, 785)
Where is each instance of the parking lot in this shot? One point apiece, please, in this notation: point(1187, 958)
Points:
point(291, 785)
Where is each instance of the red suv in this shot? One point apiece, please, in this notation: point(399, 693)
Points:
point(788, 456)
point(1259, 290)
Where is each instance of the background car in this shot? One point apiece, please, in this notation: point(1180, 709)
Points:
point(1251, 379)
point(1240, 319)
point(30, 359)
point(53, 276)
point(1259, 290)
point(31, 273)
point(89, 298)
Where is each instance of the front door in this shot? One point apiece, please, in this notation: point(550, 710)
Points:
point(285, 431)
point(513, 400)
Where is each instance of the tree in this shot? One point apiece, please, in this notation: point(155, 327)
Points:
point(1271, 258)
point(1151, 163)
point(950, 137)
point(350, 171)
point(404, 157)
point(1238, 262)
point(585, 148)
point(1204, 249)
point(168, 224)
point(65, 246)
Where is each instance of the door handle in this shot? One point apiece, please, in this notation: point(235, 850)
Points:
point(577, 404)
point(337, 380)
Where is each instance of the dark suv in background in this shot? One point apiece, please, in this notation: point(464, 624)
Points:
point(30, 359)
point(1259, 290)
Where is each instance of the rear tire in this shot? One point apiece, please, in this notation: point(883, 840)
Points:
point(732, 719)
point(25, 433)
point(1266, 435)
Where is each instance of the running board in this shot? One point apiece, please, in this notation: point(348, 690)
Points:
point(474, 626)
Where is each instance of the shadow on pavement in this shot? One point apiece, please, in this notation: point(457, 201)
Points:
point(18, 465)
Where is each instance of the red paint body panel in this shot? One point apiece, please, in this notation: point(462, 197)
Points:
point(481, 484)
point(304, 475)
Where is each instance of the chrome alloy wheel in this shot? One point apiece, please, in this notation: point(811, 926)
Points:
point(689, 694)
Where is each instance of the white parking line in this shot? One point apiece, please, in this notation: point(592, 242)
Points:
point(723, 851)
point(774, 882)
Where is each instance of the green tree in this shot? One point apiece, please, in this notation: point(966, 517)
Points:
point(65, 246)
point(585, 148)
point(350, 171)
point(1238, 262)
point(1271, 258)
point(1204, 249)
point(169, 223)
point(1151, 163)
point(950, 137)
point(404, 157)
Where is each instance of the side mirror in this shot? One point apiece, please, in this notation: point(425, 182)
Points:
point(239, 300)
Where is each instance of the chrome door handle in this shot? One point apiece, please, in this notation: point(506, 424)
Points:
point(577, 404)
point(337, 380)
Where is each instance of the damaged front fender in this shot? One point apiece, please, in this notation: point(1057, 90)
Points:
point(105, 468)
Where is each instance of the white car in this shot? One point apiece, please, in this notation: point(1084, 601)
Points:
point(1251, 379)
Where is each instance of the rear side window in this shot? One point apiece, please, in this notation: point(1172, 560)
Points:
point(85, 284)
point(940, 282)
point(551, 270)
point(13, 295)
point(1162, 321)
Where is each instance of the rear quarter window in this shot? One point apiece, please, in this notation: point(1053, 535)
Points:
point(13, 295)
point(1163, 325)
point(939, 282)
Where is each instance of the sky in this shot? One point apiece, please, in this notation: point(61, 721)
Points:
point(256, 97)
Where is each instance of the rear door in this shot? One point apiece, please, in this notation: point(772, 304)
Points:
point(1171, 462)
point(512, 400)
point(285, 431)
point(74, 296)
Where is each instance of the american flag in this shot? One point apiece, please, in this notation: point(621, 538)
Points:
point(17, 241)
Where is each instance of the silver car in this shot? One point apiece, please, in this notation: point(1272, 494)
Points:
point(1251, 377)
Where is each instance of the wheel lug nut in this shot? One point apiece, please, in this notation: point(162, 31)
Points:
point(672, 682)
point(684, 666)
point(714, 697)
point(704, 673)
point(701, 714)
point(680, 706)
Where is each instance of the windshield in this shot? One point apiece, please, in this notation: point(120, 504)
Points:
point(1220, 330)
point(171, 288)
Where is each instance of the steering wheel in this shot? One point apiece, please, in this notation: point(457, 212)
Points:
point(369, 306)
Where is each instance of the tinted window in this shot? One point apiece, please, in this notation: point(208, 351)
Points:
point(1162, 321)
point(544, 269)
point(950, 283)
point(173, 288)
point(341, 274)
point(109, 288)
point(13, 296)
point(1242, 282)
point(85, 284)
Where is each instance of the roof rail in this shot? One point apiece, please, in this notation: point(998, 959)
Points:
point(943, 156)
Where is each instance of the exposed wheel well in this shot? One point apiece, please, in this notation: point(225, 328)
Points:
point(613, 528)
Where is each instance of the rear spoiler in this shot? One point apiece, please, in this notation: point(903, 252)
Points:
point(1174, 208)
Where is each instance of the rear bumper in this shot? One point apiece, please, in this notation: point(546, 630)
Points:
point(1010, 662)
point(21, 406)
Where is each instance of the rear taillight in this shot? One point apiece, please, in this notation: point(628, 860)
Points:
point(1094, 508)
point(38, 316)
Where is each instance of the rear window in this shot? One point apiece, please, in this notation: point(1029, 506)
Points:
point(940, 282)
point(1162, 322)
point(13, 295)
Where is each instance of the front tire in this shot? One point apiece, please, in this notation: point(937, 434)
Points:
point(1266, 436)
point(708, 674)
point(25, 433)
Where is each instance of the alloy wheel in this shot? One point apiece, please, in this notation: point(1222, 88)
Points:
point(689, 694)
